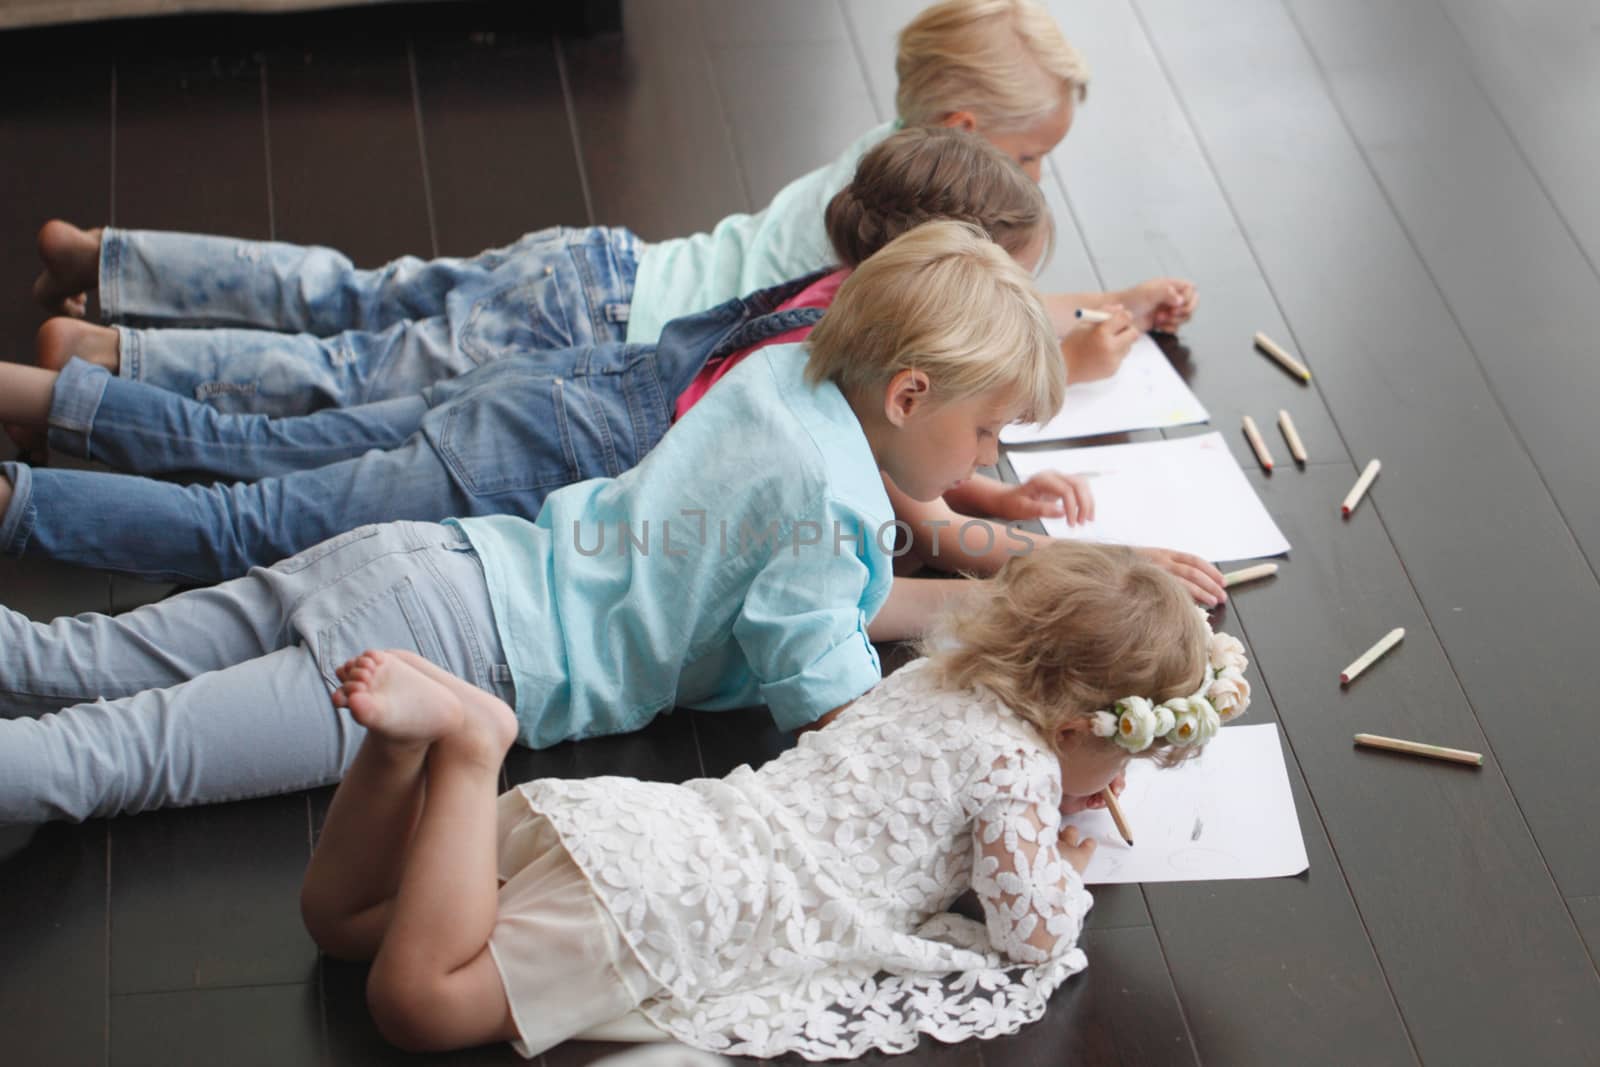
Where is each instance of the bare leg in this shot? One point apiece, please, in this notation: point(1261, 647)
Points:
point(433, 984)
point(61, 338)
point(355, 871)
point(25, 394)
point(5, 495)
point(71, 267)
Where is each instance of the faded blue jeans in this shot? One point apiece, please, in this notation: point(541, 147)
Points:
point(223, 693)
point(494, 441)
point(280, 329)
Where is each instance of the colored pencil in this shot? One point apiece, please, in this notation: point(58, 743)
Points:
point(1253, 435)
point(1249, 574)
point(1091, 315)
point(1117, 817)
point(1290, 434)
point(1417, 748)
point(1283, 359)
point(1359, 490)
point(1370, 656)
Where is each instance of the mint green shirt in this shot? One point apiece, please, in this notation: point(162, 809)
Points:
point(738, 564)
point(743, 253)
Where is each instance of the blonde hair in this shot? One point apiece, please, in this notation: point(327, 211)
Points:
point(943, 299)
point(1005, 61)
point(1068, 630)
point(932, 172)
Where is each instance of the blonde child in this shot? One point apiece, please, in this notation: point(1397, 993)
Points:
point(800, 908)
point(288, 329)
point(729, 568)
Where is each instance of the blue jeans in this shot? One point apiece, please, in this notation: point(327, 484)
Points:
point(280, 329)
point(494, 441)
point(222, 693)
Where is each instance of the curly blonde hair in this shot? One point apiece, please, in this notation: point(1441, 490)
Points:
point(1005, 61)
point(936, 172)
point(1069, 629)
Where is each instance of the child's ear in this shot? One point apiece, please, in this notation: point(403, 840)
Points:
point(961, 120)
point(908, 391)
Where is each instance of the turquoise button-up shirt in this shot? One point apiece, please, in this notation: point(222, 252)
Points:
point(744, 253)
point(738, 564)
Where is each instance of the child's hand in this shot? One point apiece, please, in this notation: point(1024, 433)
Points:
point(1095, 352)
point(1049, 493)
point(1161, 304)
point(1071, 805)
point(1075, 848)
point(1203, 581)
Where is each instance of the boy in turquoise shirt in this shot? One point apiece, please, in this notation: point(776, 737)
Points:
point(763, 592)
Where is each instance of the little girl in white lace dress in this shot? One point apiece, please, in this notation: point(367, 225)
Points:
point(801, 907)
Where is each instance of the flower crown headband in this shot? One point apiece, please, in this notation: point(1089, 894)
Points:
point(1136, 722)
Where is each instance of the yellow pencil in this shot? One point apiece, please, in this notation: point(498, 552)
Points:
point(1417, 748)
point(1284, 359)
point(1254, 436)
point(1117, 817)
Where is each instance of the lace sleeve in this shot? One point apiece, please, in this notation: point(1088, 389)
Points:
point(1033, 900)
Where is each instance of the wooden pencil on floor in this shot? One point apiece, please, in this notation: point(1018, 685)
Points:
point(1248, 574)
point(1253, 435)
point(1359, 490)
point(1417, 748)
point(1290, 434)
point(1370, 656)
point(1282, 358)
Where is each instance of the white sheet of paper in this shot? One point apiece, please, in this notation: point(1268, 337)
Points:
point(1188, 495)
point(1145, 393)
point(1227, 813)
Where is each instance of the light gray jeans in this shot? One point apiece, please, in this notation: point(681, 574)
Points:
point(223, 693)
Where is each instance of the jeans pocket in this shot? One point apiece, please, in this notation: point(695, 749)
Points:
point(507, 440)
point(394, 618)
point(532, 314)
point(301, 560)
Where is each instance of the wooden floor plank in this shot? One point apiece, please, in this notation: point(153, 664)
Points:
point(1467, 924)
point(55, 158)
point(500, 150)
point(1514, 279)
point(1543, 74)
point(209, 897)
point(347, 167)
point(635, 93)
point(266, 1025)
point(53, 926)
point(1504, 585)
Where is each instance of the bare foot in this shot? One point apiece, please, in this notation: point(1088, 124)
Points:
point(62, 337)
point(71, 267)
point(487, 716)
point(396, 701)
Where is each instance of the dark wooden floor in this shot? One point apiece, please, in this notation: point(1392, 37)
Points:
point(1401, 190)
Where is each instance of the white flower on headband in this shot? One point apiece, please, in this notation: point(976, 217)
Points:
point(1136, 723)
point(1103, 724)
point(1229, 693)
point(1185, 723)
point(1227, 654)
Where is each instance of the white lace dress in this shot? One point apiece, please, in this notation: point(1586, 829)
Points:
point(803, 907)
